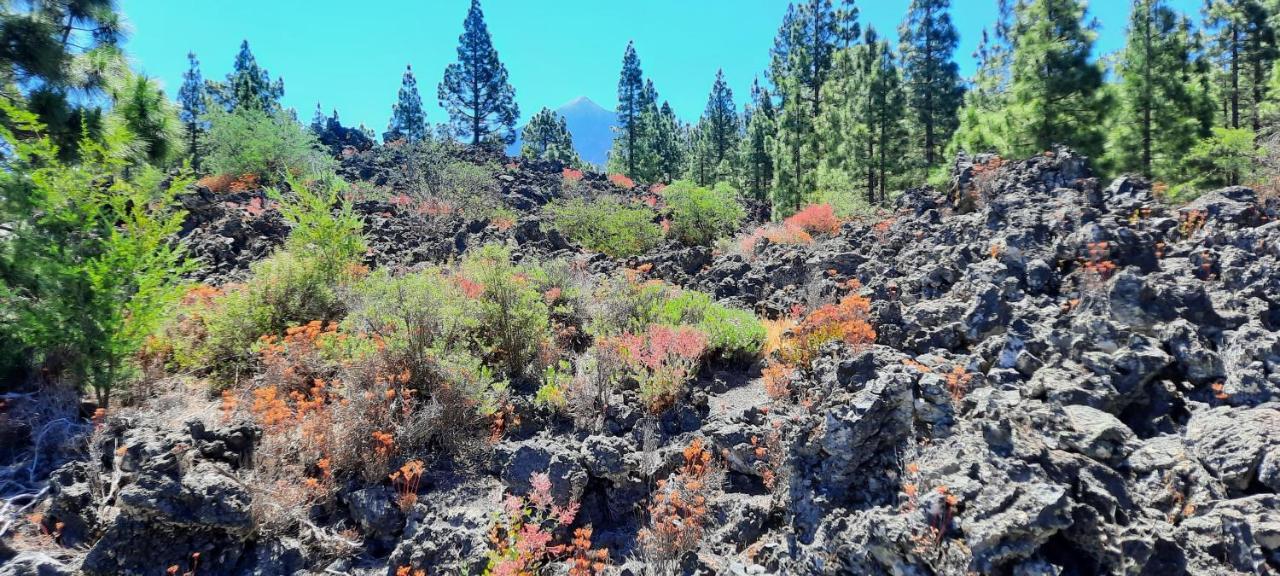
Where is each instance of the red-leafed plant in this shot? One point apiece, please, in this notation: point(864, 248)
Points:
point(622, 181)
point(664, 359)
point(815, 219)
point(522, 538)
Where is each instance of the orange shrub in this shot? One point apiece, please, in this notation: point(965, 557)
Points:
point(815, 219)
point(777, 381)
point(678, 511)
point(622, 181)
point(585, 561)
point(787, 235)
point(217, 183)
point(958, 382)
point(845, 321)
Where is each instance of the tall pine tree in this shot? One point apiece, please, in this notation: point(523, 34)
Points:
point(1056, 91)
point(408, 120)
point(983, 123)
point(481, 103)
point(720, 129)
point(626, 155)
point(546, 137)
point(1162, 112)
point(1243, 43)
point(863, 125)
point(933, 85)
point(755, 164)
point(192, 105)
point(249, 86)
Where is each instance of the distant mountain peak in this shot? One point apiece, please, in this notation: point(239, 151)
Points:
point(580, 101)
point(591, 126)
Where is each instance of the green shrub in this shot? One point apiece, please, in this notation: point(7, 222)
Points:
point(700, 215)
point(270, 145)
point(606, 225)
point(419, 317)
point(88, 268)
point(293, 286)
point(321, 224)
point(620, 307)
point(511, 318)
point(731, 333)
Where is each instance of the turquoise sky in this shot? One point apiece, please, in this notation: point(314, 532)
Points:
point(350, 55)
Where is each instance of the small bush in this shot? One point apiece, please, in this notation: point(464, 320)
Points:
point(417, 319)
point(699, 215)
point(663, 359)
point(845, 322)
point(512, 318)
point(521, 537)
point(270, 145)
point(815, 219)
point(732, 334)
point(678, 509)
point(606, 225)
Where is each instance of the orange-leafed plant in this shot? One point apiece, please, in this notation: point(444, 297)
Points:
point(571, 176)
point(622, 181)
point(406, 481)
point(845, 321)
point(585, 561)
point(958, 383)
point(678, 508)
point(777, 381)
point(814, 219)
point(217, 183)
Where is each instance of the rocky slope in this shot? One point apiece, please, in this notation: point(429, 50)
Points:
point(1068, 378)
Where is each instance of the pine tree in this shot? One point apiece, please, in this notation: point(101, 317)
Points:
point(983, 125)
point(862, 126)
point(1244, 45)
point(756, 165)
point(193, 103)
point(668, 144)
point(1056, 92)
point(408, 120)
point(792, 150)
point(934, 89)
point(140, 111)
point(546, 137)
point(847, 30)
point(1162, 114)
point(720, 129)
point(318, 120)
point(475, 91)
point(624, 157)
point(800, 67)
point(60, 55)
point(249, 86)
point(698, 165)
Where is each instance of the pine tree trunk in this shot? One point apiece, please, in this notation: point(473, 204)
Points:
point(1235, 76)
point(1147, 102)
point(928, 91)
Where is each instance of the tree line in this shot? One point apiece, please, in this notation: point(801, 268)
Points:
point(841, 115)
point(847, 117)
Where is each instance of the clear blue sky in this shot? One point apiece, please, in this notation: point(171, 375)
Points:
point(350, 55)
